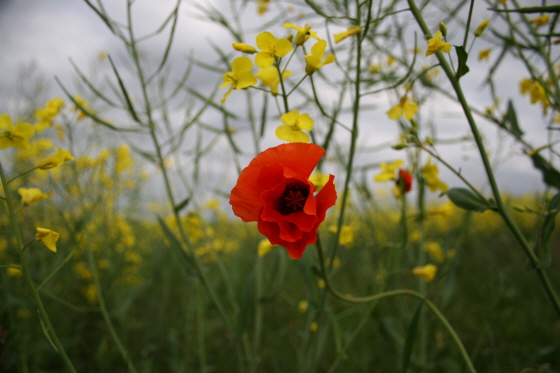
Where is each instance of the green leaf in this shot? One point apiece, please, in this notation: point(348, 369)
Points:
point(410, 337)
point(462, 55)
point(511, 118)
point(543, 243)
point(467, 200)
point(551, 176)
point(182, 205)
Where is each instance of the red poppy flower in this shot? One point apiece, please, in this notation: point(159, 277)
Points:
point(405, 180)
point(274, 191)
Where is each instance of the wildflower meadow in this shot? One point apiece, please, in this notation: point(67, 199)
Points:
point(331, 186)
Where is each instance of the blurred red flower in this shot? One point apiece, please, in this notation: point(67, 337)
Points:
point(405, 180)
point(274, 190)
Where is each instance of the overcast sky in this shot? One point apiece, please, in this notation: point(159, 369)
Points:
point(49, 33)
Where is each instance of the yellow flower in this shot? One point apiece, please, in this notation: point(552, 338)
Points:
point(17, 136)
point(480, 29)
point(391, 60)
point(241, 47)
point(374, 68)
point(435, 251)
point(427, 272)
point(404, 108)
point(47, 237)
point(31, 195)
point(270, 47)
point(388, 171)
point(294, 123)
point(303, 305)
point(319, 180)
point(541, 20)
point(430, 173)
point(303, 33)
point(313, 327)
point(270, 78)
point(314, 62)
point(56, 159)
point(82, 108)
point(262, 6)
point(484, 54)
point(346, 235)
point(46, 114)
point(13, 271)
point(264, 247)
point(239, 77)
point(435, 44)
point(536, 91)
point(446, 210)
point(502, 1)
point(343, 35)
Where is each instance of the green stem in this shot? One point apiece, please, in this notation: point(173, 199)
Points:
point(22, 174)
point(257, 331)
point(468, 25)
point(487, 166)
point(395, 293)
point(25, 267)
point(105, 311)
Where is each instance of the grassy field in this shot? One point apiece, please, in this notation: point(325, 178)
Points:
point(273, 223)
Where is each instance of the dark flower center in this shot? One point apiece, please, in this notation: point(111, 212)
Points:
point(293, 199)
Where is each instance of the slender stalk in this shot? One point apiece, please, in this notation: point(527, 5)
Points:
point(257, 328)
point(468, 25)
point(487, 166)
point(105, 311)
point(25, 268)
point(395, 293)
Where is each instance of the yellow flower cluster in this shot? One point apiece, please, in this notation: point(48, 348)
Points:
point(430, 173)
point(536, 91)
point(270, 49)
point(46, 114)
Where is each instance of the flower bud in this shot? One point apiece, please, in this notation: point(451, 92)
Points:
point(480, 29)
point(399, 146)
point(443, 29)
point(241, 47)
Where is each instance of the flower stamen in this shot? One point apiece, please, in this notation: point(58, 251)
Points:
point(293, 199)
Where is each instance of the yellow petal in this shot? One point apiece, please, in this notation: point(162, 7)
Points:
point(427, 272)
point(283, 47)
point(241, 64)
point(290, 118)
point(266, 40)
point(318, 50)
point(24, 130)
point(329, 59)
point(395, 112)
point(298, 136)
point(47, 237)
point(305, 122)
point(410, 109)
point(6, 123)
point(245, 80)
point(264, 59)
point(284, 132)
